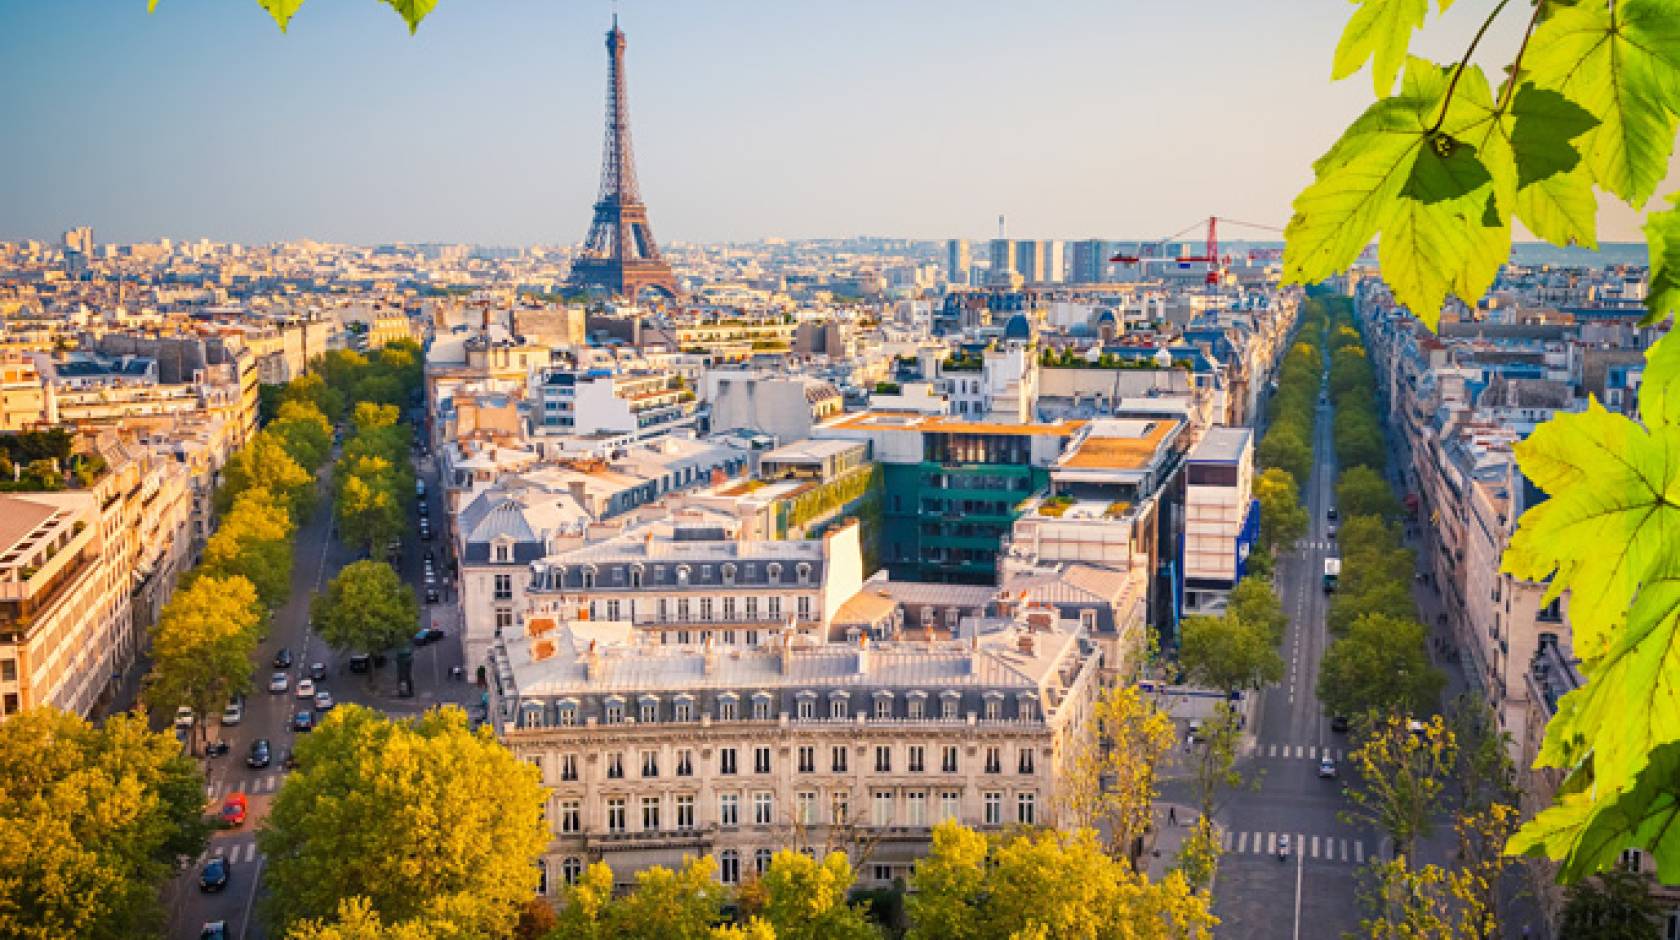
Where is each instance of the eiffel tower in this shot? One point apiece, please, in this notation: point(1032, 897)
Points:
point(620, 254)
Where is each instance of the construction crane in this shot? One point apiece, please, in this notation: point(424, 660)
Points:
point(1210, 254)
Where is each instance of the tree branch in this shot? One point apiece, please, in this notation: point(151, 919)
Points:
point(1516, 66)
point(1464, 63)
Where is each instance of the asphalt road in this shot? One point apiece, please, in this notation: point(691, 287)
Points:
point(1310, 893)
point(319, 556)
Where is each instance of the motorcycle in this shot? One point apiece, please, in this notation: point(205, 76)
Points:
point(1283, 848)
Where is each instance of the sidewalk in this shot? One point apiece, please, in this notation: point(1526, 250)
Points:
point(1172, 827)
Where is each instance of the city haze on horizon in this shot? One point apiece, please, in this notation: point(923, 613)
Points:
point(1113, 121)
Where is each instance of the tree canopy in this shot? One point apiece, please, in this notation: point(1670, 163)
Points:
point(366, 608)
point(425, 820)
point(91, 822)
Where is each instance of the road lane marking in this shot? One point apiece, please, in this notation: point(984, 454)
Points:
point(1359, 852)
point(1242, 842)
point(1225, 841)
point(1315, 846)
point(1271, 842)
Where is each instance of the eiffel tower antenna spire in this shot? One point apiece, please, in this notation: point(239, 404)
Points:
point(619, 254)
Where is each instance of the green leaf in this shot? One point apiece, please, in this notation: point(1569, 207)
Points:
point(1561, 209)
point(1662, 238)
point(1621, 62)
point(1612, 520)
point(412, 11)
point(1428, 191)
point(1543, 124)
point(281, 10)
point(1659, 388)
point(1631, 703)
point(1590, 825)
point(1379, 31)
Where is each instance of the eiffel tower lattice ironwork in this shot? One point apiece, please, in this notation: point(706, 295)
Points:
point(620, 254)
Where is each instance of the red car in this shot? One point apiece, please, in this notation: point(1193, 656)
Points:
point(232, 815)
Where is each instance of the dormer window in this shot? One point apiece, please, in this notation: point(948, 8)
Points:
point(589, 577)
point(837, 705)
point(501, 551)
point(773, 571)
point(682, 576)
point(761, 706)
point(729, 574)
point(615, 710)
point(804, 570)
point(636, 576)
point(729, 707)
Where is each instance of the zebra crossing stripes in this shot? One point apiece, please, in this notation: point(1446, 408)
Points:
point(1337, 849)
point(1322, 545)
point(1302, 751)
point(267, 783)
point(242, 852)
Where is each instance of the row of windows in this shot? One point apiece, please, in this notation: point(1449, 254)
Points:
point(915, 761)
point(636, 575)
point(614, 708)
point(886, 808)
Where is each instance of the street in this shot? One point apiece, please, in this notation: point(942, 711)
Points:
point(319, 556)
point(1311, 892)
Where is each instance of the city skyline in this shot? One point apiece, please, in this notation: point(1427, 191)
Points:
point(204, 121)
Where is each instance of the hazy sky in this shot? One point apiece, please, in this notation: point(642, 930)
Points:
point(1108, 118)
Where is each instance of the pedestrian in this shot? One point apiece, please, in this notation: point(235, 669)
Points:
point(1172, 816)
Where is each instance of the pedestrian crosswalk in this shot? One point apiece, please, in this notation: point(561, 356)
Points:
point(1338, 849)
point(267, 783)
point(1318, 545)
point(1294, 751)
point(237, 851)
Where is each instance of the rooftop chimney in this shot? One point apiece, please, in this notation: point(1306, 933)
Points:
point(863, 655)
point(786, 654)
point(592, 662)
point(710, 656)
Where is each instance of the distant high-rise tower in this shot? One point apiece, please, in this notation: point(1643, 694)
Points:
point(1090, 260)
point(957, 261)
point(620, 253)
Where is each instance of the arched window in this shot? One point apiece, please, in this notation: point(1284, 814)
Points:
point(542, 876)
point(761, 860)
point(729, 867)
point(571, 869)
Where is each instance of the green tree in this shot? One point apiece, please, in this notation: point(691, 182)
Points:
point(366, 608)
point(368, 514)
point(357, 920)
point(801, 898)
point(1403, 771)
point(265, 464)
point(202, 648)
point(1255, 604)
point(91, 822)
point(1112, 782)
point(310, 388)
point(1283, 520)
point(1362, 491)
point(1225, 653)
point(425, 819)
point(1287, 449)
point(371, 416)
point(305, 432)
point(254, 542)
point(1615, 905)
point(1359, 439)
point(1045, 884)
point(1213, 763)
point(670, 905)
point(586, 906)
point(1380, 665)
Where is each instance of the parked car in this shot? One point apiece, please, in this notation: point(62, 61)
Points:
point(431, 595)
point(233, 714)
point(323, 701)
point(1195, 729)
point(303, 722)
point(183, 718)
point(279, 682)
point(1339, 723)
point(425, 510)
point(233, 811)
point(260, 755)
point(289, 761)
point(214, 875)
point(360, 662)
point(317, 671)
point(283, 659)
